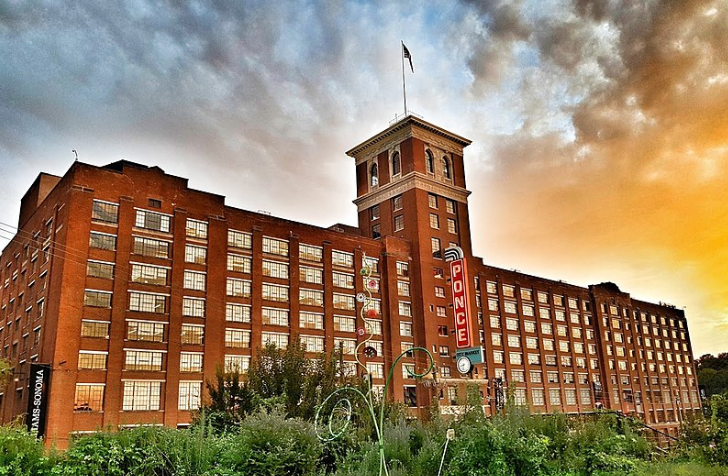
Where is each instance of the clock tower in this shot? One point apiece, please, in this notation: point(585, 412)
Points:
point(411, 184)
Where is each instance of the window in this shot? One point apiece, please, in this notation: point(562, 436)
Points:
point(344, 301)
point(509, 307)
point(555, 396)
point(512, 324)
point(239, 263)
point(436, 247)
point(496, 339)
point(405, 309)
point(514, 341)
point(152, 221)
point(434, 221)
point(147, 302)
point(237, 363)
point(194, 280)
point(312, 343)
point(498, 357)
point(450, 205)
point(397, 203)
point(311, 275)
point(195, 254)
point(446, 171)
point(275, 269)
point(451, 225)
point(100, 269)
point(105, 212)
point(148, 274)
point(240, 239)
point(275, 246)
point(376, 231)
point(93, 298)
point(189, 395)
point(193, 334)
point(143, 360)
point(375, 370)
point(441, 311)
point(275, 292)
point(537, 397)
point(275, 317)
point(373, 175)
point(531, 343)
point(396, 164)
point(237, 338)
point(91, 360)
point(193, 307)
point(515, 358)
point(238, 287)
point(311, 297)
point(517, 376)
point(402, 269)
point(347, 345)
point(279, 340)
point(342, 259)
point(145, 331)
point(405, 329)
point(102, 241)
point(141, 395)
point(546, 328)
point(94, 329)
point(89, 397)
point(196, 229)
point(429, 162)
point(151, 247)
point(535, 376)
point(342, 280)
point(570, 396)
point(312, 320)
point(344, 324)
point(432, 202)
point(190, 362)
point(371, 263)
point(529, 326)
point(310, 253)
point(440, 291)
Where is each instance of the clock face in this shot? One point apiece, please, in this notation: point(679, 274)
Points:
point(370, 352)
point(464, 365)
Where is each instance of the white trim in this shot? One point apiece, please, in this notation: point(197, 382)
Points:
point(145, 350)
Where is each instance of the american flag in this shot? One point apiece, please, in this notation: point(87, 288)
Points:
point(407, 55)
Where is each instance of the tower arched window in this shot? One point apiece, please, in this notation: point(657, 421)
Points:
point(374, 175)
point(429, 162)
point(396, 164)
point(446, 168)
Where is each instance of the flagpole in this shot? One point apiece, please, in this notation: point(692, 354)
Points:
point(404, 87)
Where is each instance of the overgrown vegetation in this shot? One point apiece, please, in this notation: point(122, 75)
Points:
point(264, 425)
point(267, 442)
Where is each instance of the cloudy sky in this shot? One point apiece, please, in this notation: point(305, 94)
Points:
point(599, 127)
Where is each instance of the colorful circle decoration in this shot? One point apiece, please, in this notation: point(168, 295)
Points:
point(370, 352)
point(360, 331)
point(361, 297)
point(372, 313)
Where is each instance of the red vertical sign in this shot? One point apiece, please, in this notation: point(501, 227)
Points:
point(459, 279)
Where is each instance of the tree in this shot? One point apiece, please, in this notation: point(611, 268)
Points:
point(231, 400)
point(6, 372)
point(713, 373)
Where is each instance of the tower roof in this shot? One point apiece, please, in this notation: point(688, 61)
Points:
point(408, 121)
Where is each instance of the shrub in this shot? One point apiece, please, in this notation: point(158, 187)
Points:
point(268, 444)
point(21, 453)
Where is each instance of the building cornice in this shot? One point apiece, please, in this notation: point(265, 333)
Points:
point(408, 182)
point(411, 127)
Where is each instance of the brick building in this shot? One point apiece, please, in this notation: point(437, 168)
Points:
point(131, 288)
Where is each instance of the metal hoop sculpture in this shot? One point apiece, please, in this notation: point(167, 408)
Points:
point(332, 425)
